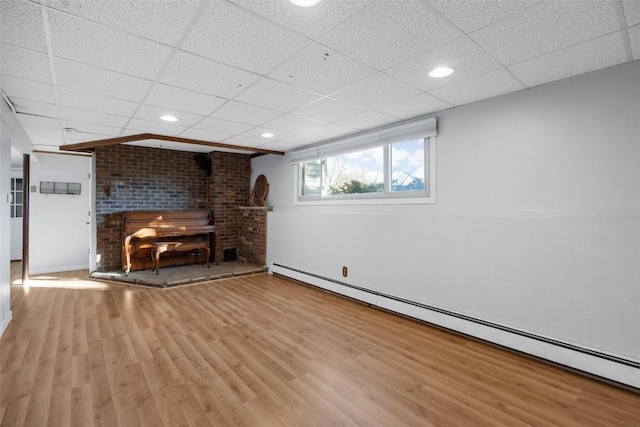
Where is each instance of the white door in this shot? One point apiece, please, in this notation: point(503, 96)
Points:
point(16, 216)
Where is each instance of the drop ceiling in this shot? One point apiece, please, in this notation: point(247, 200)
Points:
point(233, 70)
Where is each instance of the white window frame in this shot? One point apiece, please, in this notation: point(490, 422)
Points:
point(427, 196)
point(14, 203)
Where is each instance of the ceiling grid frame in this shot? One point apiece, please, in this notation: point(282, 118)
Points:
point(337, 115)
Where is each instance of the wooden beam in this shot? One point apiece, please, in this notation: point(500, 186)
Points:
point(91, 145)
point(61, 154)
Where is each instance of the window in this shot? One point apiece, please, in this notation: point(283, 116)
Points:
point(16, 198)
point(401, 170)
point(391, 164)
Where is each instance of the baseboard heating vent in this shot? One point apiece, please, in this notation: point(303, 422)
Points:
point(568, 346)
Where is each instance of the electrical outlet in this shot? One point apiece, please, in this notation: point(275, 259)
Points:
point(345, 271)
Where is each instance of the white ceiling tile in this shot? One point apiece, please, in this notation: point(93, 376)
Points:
point(43, 131)
point(137, 126)
point(80, 119)
point(309, 21)
point(94, 44)
point(413, 107)
point(226, 126)
point(91, 131)
point(478, 88)
point(90, 117)
point(300, 140)
point(153, 114)
point(83, 137)
point(293, 124)
point(631, 11)
point(323, 133)
point(245, 113)
point(547, 27)
point(328, 110)
point(470, 15)
point(131, 131)
point(90, 79)
point(205, 135)
point(376, 91)
point(355, 64)
point(37, 108)
point(274, 95)
point(202, 75)
point(183, 100)
point(163, 21)
point(464, 56)
point(634, 37)
point(244, 141)
point(47, 141)
point(592, 55)
point(171, 145)
point(24, 63)
point(45, 122)
point(21, 25)
point(235, 36)
point(279, 146)
point(321, 69)
point(367, 120)
point(390, 32)
point(28, 89)
point(259, 130)
point(91, 102)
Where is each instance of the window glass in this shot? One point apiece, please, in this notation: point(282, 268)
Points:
point(16, 197)
point(311, 178)
point(357, 172)
point(408, 166)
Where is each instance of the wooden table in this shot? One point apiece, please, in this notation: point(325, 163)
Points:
point(160, 247)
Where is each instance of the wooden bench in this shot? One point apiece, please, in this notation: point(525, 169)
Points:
point(142, 229)
point(162, 247)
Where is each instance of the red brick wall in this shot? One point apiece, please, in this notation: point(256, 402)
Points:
point(137, 178)
point(229, 188)
point(253, 234)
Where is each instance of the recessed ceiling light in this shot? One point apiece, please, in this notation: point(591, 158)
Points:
point(304, 3)
point(440, 72)
point(267, 135)
point(168, 118)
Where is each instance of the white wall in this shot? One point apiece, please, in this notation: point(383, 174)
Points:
point(58, 229)
point(11, 133)
point(536, 226)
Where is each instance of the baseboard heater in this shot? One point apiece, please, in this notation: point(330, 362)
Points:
point(620, 361)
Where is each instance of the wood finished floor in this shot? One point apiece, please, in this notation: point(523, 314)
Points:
point(264, 351)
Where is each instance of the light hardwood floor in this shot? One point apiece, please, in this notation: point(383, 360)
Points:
point(264, 351)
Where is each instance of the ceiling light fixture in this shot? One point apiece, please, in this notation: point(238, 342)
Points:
point(305, 3)
point(168, 118)
point(267, 135)
point(440, 72)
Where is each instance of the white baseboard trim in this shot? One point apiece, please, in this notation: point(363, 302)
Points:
point(5, 323)
point(611, 367)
